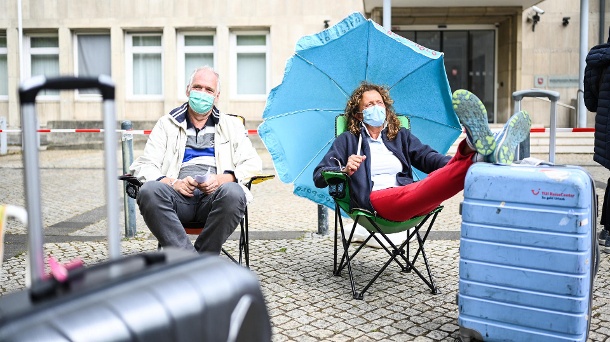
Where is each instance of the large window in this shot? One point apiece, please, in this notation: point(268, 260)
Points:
point(42, 58)
point(3, 68)
point(250, 62)
point(144, 65)
point(92, 57)
point(194, 50)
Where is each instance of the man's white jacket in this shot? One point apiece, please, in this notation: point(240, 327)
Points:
point(164, 150)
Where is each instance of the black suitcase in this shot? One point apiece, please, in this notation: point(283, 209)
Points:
point(169, 295)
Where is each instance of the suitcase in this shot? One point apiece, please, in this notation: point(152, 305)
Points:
point(169, 295)
point(527, 253)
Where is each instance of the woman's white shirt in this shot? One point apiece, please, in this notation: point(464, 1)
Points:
point(384, 164)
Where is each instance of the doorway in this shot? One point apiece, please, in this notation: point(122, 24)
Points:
point(470, 57)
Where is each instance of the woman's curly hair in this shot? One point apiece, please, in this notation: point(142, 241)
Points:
point(352, 108)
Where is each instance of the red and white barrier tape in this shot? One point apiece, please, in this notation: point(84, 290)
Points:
point(574, 130)
point(250, 131)
point(93, 130)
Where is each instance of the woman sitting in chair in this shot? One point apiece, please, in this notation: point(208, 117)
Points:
point(379, 155)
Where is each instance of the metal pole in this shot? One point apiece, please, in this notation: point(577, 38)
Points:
point(322, 220)
point(20, 23)
point(128, 202)
point(602, 21)
point(584, 35)
point(387, 15)
point(112, 190)
point(3, 139)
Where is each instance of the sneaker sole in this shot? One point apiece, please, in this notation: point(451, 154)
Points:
point(469, 110)
point(517, 130)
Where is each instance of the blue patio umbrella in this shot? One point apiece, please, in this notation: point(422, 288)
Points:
point(298, 120)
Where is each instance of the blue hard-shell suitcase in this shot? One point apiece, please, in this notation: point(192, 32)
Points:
point(528, 253)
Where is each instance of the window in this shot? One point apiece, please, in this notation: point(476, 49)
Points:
point(3, 68)
point(144, 65)
point(42, 58)
point(92, 57)
point(250, 63)
point(194, 50)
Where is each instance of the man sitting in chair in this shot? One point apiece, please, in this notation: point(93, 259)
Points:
point(382, 176)
point(189, 142)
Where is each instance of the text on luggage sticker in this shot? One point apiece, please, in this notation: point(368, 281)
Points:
point(550, 195)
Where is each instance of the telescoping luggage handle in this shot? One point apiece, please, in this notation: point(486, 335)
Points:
point(553, 96)
point(27, 97)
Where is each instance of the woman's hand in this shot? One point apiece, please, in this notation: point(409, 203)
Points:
point(353, 163)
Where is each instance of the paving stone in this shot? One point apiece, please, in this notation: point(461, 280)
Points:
point(305, 301)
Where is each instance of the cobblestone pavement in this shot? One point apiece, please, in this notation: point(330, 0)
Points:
point(294, 263)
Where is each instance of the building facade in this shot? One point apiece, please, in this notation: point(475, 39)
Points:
point(149, 47)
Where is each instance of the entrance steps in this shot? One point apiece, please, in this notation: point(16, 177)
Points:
point(566, 142)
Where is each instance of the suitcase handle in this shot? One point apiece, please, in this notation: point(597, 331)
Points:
point(28, 91)
point(551, 95)
point(30, 88)
point(51, 288)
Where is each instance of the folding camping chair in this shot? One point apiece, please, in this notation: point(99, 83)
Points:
point(340, 190)
point(132, 186)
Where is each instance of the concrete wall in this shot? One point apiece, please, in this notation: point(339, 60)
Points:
point(286, 22)
point(552, 50)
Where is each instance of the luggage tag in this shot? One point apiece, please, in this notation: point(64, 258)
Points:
point(60, 271)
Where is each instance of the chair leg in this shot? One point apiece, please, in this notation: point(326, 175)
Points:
point(346, 257)
point(429, 280)
point(244, 241)
point(396, 253)
point(420, 242)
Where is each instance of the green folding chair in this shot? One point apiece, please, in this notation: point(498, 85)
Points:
point(340, 190)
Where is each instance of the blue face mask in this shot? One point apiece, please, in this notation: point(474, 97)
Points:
point(374, 116)
point(200, 102)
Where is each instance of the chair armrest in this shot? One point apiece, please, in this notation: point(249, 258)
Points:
point(129, 178)
point(334, 176)
point(257, 179)
point(337, 183)
point(132, 185)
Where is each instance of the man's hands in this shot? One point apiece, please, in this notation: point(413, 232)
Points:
point(353, 163)
point(187, 185)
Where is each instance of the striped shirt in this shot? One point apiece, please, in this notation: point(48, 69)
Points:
point(199, 152)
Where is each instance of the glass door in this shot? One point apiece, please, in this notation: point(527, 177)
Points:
point(469, 60)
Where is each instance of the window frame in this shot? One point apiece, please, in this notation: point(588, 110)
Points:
point(183, 50)
point(4, 52)
point(235, 50)
point(27, 56)
point(78, 95)
point(129, 52)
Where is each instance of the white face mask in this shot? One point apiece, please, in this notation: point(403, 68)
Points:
point(374, 116)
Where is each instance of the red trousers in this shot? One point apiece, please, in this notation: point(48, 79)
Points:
point(419, 198)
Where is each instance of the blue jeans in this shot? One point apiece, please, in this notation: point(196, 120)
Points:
point(164, 210)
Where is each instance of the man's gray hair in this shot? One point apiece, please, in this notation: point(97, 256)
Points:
point(205, 67)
